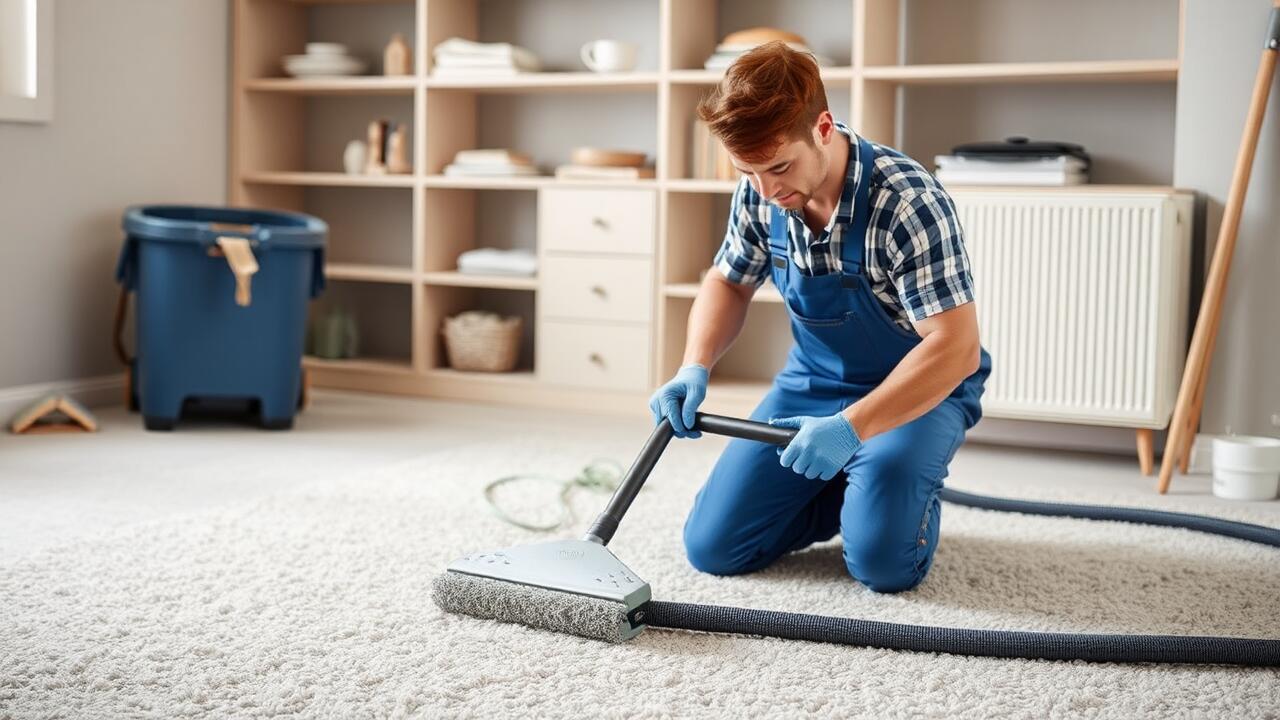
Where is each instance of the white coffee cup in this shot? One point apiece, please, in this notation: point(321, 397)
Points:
point(609, 55)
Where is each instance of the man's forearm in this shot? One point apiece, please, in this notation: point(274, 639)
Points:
point(717, 316)
point(925, 377)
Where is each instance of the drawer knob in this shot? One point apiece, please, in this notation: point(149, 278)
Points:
point(596, 359)
point(598, 290)
point(600, 222)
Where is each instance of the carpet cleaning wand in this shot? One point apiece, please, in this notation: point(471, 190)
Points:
point(581, 588)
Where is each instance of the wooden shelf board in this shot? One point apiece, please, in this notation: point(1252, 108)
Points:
point(515, 377)
point(1086, 71)
point(363, 85)
point(711, 77)
point(368, 273)
point(549, 82)
point(701, 186)
point(361, 365)
point(529, 183)
point(499, 282)
point(323, 179)
point(766, 294)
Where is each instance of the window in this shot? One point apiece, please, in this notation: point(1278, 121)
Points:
point(26, 60)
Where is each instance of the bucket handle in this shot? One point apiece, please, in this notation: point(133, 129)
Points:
point(243, 264)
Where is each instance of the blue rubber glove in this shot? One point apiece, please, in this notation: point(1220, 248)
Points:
point(821, 448)
point(679, 399)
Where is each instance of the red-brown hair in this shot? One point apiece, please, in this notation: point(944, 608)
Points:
point(769, 95)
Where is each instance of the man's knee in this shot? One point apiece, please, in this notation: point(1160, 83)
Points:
point(884, 562)
point(708, 551)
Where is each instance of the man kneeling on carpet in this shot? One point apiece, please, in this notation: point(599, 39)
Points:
point(886, 370)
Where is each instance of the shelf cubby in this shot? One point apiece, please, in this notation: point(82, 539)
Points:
point(699, 25)
point(466, 219)
point(443, 301)
point(383, 318)
point(367, 226)
point(554, 30)
point(995, 33)
point(1130, 144)
point(743, 375)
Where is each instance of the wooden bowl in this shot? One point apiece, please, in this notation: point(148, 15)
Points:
point(600, 157)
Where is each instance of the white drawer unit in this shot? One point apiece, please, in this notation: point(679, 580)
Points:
point(597, 355)
point(619, 289)
point(597, 221)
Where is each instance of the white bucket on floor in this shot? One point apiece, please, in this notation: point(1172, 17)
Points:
point(1246, 467)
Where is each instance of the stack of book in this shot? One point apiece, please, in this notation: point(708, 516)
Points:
point(1016, 161)
point(587, 163)
point(709, 159)
point(491, 162)
point(457, 57)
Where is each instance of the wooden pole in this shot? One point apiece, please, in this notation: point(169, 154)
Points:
point(1196, 372)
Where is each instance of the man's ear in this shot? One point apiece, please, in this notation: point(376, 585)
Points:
point(824, 128)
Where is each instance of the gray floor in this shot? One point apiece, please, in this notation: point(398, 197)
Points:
point(59, 487)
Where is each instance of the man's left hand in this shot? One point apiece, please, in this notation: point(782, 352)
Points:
point(821, 448)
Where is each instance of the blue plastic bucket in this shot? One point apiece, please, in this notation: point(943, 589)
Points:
point(194, 341)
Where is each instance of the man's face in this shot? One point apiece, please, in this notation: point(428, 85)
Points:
point(793, 174)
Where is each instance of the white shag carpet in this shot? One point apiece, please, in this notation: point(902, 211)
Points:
point(314, 603)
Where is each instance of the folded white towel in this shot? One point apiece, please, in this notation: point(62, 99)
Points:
point(492, 156)
point(467, 170)
point(458, 47)
point(492, 261)
point(474, 61)
point(1061, 163)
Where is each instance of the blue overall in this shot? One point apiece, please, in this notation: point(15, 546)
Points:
point(752, 510)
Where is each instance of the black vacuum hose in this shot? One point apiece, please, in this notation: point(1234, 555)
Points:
point(959, 641)
point(1214, 526)
point(1000, 643)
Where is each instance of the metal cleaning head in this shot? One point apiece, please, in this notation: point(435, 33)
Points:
point(570, 586)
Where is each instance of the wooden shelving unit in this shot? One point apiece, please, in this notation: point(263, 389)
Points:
point(287, 135)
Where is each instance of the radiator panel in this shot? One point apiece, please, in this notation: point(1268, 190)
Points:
point(1081, 302)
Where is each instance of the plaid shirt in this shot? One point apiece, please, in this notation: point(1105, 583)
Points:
point(914, 259)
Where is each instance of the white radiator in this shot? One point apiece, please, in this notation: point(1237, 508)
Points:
point(1082, 302)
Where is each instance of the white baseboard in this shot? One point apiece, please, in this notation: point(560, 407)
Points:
point(91, 392)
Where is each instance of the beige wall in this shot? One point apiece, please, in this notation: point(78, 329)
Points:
point(140, 115)
point(1223, 43)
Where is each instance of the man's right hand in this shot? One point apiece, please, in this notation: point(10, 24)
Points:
point(679, 399)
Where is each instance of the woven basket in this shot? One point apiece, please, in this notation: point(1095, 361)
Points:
point(482, 341)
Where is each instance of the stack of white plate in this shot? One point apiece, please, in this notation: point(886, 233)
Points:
point(323, 60)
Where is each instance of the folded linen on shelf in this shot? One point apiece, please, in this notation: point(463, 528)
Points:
point(493, 261)
point(492, 162)
point(492, 156)
point(1062, 163)
point(1012, 177)
point(456, 55)
point(463, 169)
point(1011, 170)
